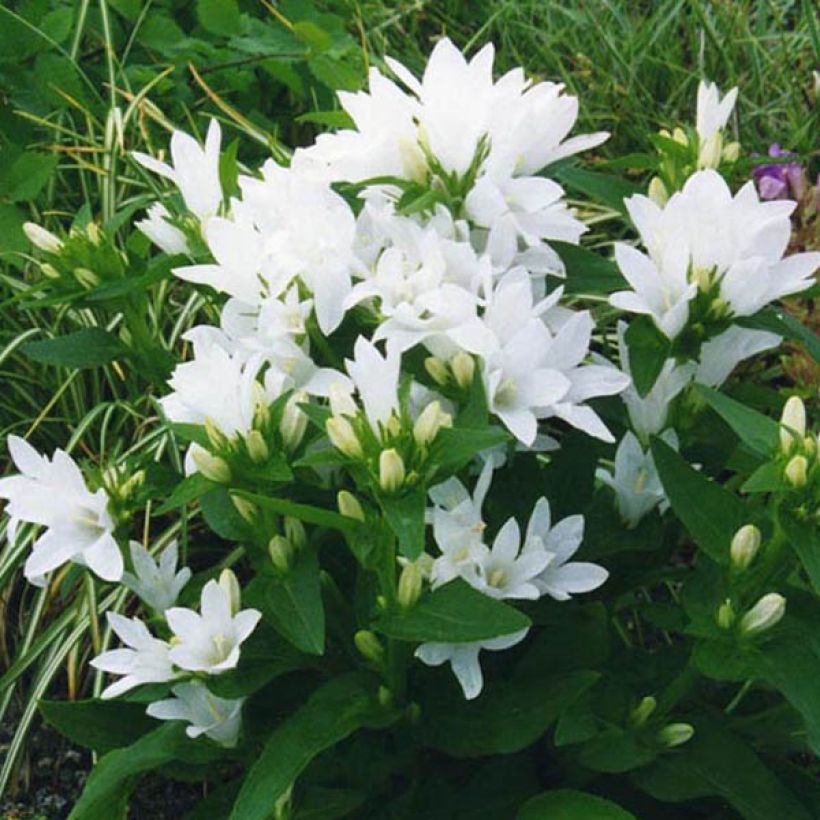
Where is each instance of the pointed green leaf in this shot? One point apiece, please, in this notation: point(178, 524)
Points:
point(756, 430)
point(405, 515)
point(566, 804)
point(648, 350)
point(91, 347)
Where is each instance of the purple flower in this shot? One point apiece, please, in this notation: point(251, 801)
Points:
point(782, 180)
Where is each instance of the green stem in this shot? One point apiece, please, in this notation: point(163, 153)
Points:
point(93, 618)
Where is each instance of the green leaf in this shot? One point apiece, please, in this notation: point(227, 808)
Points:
point(508, 717)
point(405, 515)
point(23, 180)
point(293, 604)
point(566, 804)
point(455, 613)
point(91, 347)
point(100, 725)
point(805, 539)
point(220, 17)
point(756, 430)
point(189, 489)
point(12, 238)
point(716, 763)
point(648, 350)
point(767, 478)
point(454, 447)
point(711, 513)
point(334, 711)
point(588, 272)
point(607, 189)
point(778, 321)
point(221, 515)
point(304, 512)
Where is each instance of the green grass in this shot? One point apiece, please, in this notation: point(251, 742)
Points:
point(64, 65)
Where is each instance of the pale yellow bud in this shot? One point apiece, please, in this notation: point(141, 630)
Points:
point(87, 278)
point(280, 551)
point(793, 423)
point(675, 734)
point(295, 532)
point(745, 546)
point(369, 646)
point(349, 505)
point(731, 152)
point(257, 447)
point(343, 436)
point(385, 697)
point(41, 238)
point(463, 367)
point(230, 585)
point(725, 615)
point(393, 425)
point(643, 711)
point(657, 192)
point(391, 470)
point(710, 151)
point(93, 233)
point(764, 614)
point(294, 421)
point(679, 135)
point(410, 584)
point(217, 439)
point(49, 271)
point(437, 370)
point(211, 466)
point(427, 425)
point(796, 471)
point(247, 509)
point(664, 132)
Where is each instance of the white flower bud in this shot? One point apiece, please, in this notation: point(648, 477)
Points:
point(349, 505)
point(294, 421)
point(710, 151)
point(49, 271)
point(431, 420)
point(764, 614)
point(247, 509)
point(257, 448)
point(280, 551)
point(679, 135)
point(218, 440)
point(793, 423)
point(745, 546)
point(295, 532)
point(341, 400)
point(731, 152)
point(410, 584)
point(343, 436)
point(657, 192)
point(643, 711)
point(675, 734)
point(41, 238)
point(463, 367)
point(211, 466)
point(369, 646)
point(228, 582)
point(87, 278)
point(93, 233)
point(391, 470)
point(796, 471)
point(437, 370)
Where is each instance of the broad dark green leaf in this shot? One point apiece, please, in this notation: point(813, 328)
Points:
point(507, 717)
point(91, 347)
point(711, 513)
point(566, 804)
point(454, 447)
point(334, 711)
point(804, 536)
point(27, 175)
point(767, 478)
point(221, 515)
point(607, 189)
point(405, 515)
point(101, 725)
point(756, 430)
point(586, 271)
point(615, 751)
point(454, 613)
point(189, 489)
point(648, 350)
point(220, 17)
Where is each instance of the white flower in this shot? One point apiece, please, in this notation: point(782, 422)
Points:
point(157, 583)
point(463, 658)
point(704, 237)
point(257, 327)
point(635, 480)
point(195, 170)
point(722, 354)
point(561, 578)
point(713, 112)
point(648, 414)
point(376, 378)
point(217, 718)
point(209, 642)
point(144, 659)
point(161, 232)
point(54, 494)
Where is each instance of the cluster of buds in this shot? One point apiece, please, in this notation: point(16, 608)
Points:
point(668, 736)
point(85, 257)
point(284, 546)
point(766, 613)
point(798, 449)
point(459, 370)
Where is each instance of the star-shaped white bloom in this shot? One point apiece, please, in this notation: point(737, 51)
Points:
point(723, 353)
point(161, 232)
point(53, 494)
point(220, 719)
point(144, 659)
point(635, 480)
point(209, 641)
point(157, 583)
point(376, 380)
point(195, 170)
point(713, 112)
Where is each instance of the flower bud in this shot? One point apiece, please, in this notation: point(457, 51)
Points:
point(92, 231)
point(710, 151)
point(810, 445)
point(385, 697)
point(793, 423)
point(369, 646)
point(257, 448)
point(295, 532)
point(410, 583)
point(294, 421)
point(657, 192)
point(731, 152)
point(229, 584)
point(437, 370)
point(217, 439)
point(745, 546)
point(349, 505)
point(764, 614)
point(463, 367)
point(49, 271)
point(431, 420)
point(643, 711)
point(343, 436)
point(212, 467)
point(391, 470)
point(87, 278)
point(247, 509)
point(341, 400)
point(725, 615)
point(796, 471)
point(675, 734)
point(261, 408)
point(280, 551)
point(41, 238)
point(679, 135)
